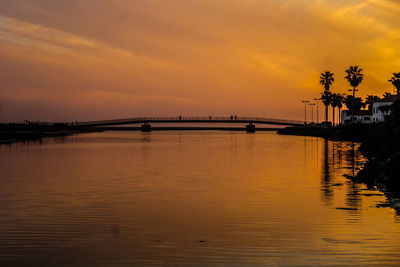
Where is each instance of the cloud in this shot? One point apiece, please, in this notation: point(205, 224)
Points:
point(39, 37)
point(204, 56)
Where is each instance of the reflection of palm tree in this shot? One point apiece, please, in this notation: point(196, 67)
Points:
point(353, 196)
point(326, 79)
point(326, 186)
point(354, 77)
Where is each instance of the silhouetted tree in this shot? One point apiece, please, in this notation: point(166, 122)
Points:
point(353, 104)
point(326, 79)
point(370, 99)
point(326, 98)
point(386, 95)
point(337, 100)
point(354, 77)
point(395, 80)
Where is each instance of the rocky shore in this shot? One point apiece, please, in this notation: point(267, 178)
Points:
point(379, 143)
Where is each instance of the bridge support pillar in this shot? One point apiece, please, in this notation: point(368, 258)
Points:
point(146, 127)
point(251, 128)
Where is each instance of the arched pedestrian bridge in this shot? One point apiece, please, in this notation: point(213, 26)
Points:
point(146, 127)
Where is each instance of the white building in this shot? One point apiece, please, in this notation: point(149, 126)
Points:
point(380, 114)
point(364, 116)
point(376, 114)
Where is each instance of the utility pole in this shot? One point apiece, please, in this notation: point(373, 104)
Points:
point(305, 110)
point(316, 100)
point(312, 111)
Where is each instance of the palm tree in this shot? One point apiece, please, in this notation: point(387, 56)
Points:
point(395, 80)
point(340, 99)
point(326, 79)
point(326, 98)
point(370, 99)
point(353, 104)
point(354, 77)
point(337, 102)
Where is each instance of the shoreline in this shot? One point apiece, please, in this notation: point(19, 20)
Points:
point(378, 143)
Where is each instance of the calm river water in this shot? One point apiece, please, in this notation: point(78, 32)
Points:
point(190, 198)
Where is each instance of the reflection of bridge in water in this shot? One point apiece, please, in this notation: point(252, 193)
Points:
point(146, 127)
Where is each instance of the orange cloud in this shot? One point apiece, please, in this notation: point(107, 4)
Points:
point(197, 57)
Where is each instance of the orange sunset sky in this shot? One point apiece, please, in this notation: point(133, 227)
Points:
point(99, 59)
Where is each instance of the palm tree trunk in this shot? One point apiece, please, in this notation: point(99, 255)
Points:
point(354, 110)
point(340, 116)
point(333, 116)
point(326, 113)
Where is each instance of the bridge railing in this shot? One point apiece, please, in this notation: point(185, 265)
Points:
point(191, 119)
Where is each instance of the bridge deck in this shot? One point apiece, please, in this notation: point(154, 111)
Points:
point(210, 119)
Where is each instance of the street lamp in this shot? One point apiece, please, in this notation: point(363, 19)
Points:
point(316, 100)
point(305, 110)
point(312, 111)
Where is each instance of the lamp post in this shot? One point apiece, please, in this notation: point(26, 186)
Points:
point(305, 110)
point(312, 111)
point(316, 100)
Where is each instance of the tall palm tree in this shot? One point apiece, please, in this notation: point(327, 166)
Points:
point(354, 77)
point(326, 79)
point(395, 80)
point(370, 99)
point(326, 98)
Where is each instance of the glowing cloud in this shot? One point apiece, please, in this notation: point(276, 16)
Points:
point(75, 60)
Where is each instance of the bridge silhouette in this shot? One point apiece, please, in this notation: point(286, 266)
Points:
point(146, 127)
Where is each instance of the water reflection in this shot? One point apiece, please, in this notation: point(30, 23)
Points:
point(190, 198)
point(343, 159)
point(333, 166)
point(327, 166)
